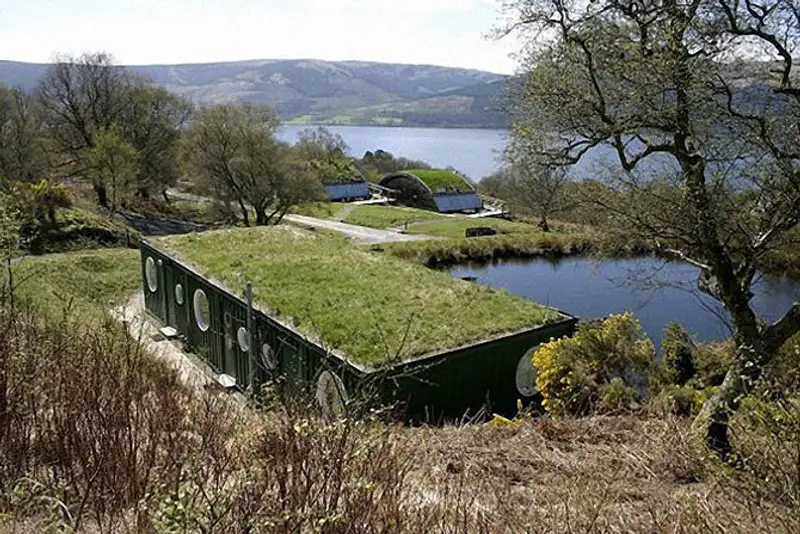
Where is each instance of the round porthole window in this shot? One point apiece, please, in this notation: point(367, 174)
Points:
point(201, 311)
point(151, 274)
point(179, 295)
point(268, 358)
point(526, 374)
point(243, 338)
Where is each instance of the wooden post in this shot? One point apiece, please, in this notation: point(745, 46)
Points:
point(252, 364)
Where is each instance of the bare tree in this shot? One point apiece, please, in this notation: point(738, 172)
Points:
point(83, 96)
point(533, 184)
point(707, 140)
point(230, 150)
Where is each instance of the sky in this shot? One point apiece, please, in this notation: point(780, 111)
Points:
point(439, 32)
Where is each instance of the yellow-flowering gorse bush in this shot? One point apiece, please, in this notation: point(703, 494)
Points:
point(604, 367)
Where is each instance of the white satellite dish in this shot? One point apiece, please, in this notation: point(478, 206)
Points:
point(331, 396)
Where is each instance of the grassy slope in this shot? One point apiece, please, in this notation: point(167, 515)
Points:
point(520, 244)
point(456, 227)
point(440, 179)
point(90, 282)
point(78, 228)
point(388, 216)
point(361, 303)
point(320, 210)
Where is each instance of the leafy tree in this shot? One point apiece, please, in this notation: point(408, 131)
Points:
point(10, 227)
point(152, 122)
point(111, 164)
point(383, 162)
point(23, 154)
point(663, 84)
point(231, 151)
point(326, 152)
point(320, 143)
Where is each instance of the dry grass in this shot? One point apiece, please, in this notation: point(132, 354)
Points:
point(107, 440)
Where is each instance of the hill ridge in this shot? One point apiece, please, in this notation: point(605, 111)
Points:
point(315, 91)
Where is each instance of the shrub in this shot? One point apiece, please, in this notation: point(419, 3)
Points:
point(617, 396)
point(676, 354)
point(604, 366)
point(47, 197)
point(677, 400)
point(712, 361)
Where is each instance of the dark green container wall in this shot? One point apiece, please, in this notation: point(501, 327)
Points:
point(464, 381)
point(178, 313)
point(154, 300)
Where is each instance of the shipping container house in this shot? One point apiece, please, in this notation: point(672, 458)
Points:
point(212, 320)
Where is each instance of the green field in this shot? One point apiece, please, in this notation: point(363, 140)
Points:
point(388, 216)
point(372, 307)
point(456, 227)
point(438, 179)
point(320, 210)
point(89, 282)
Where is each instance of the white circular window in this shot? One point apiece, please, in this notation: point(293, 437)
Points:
point(268, 358)
point(526, 374)
point(151, 274)
point(201, 311)
point(243, 338)
point(179, 295)
point(331, 395)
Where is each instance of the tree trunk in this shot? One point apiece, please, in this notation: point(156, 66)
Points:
point(165, 197)
point(245, 214)
point(714, 418)
point(102, 195)
point(261, 217)
point(543, 226)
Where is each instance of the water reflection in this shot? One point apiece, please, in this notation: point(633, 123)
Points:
point(657, 291)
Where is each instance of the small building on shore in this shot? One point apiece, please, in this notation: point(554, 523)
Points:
point(439, 190)
point(347, 191)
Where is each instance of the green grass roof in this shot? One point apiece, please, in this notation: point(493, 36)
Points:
point(438, 179)
point(372, 308)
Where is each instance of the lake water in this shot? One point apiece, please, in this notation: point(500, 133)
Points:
point(656, 291)
point(474, 152)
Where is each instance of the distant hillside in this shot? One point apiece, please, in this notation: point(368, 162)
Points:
point(313, 91)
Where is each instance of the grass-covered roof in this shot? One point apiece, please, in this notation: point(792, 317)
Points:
point(442, 179)
point(370, 307)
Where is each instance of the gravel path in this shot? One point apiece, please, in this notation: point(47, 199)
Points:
point(192, 371)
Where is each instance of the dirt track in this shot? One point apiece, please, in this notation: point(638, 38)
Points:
point(361, 234)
